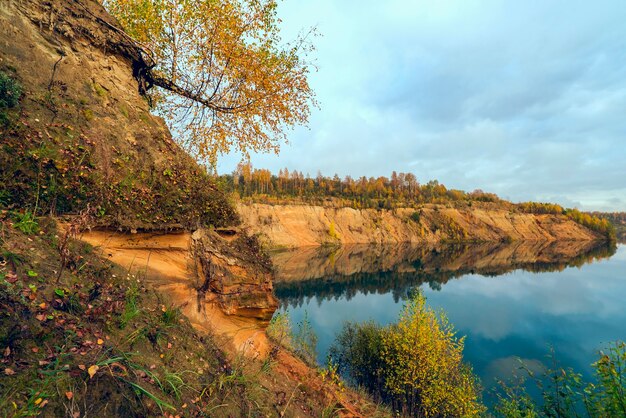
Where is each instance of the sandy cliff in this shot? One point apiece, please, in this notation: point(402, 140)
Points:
point(235, 289)
point(295, 225)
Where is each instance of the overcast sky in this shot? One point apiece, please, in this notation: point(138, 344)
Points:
point(526, 99)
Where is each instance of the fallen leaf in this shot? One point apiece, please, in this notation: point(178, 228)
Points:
point(100, 341)
point(43, 403)
point(40, 317)
point(38, 401)
point(93, 370)
point(11, 277)
point(9, 372)
point(81, 366)
point(69, 395)
point(35, 349)
point(169, 345)
point(7, 351)
point(42, 305)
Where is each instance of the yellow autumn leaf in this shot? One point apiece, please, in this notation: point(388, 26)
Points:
point(92, 370)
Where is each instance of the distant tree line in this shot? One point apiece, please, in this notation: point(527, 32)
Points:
point(618, 219)
point(400, 190)
point(595, 221)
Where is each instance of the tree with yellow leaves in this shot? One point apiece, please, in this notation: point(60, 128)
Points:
point(424, 369)
point(415, 365)
point(224, 79)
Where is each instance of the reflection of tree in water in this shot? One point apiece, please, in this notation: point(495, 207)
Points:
point(434, 267)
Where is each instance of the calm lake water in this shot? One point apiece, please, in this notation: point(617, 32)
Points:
point(510, 301)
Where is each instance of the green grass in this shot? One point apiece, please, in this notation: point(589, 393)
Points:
point(130, 306)
point(26, 223)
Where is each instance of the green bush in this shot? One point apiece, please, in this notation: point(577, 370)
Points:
point(565, 394)
point(26, 222)
point(279, 329)
point(357, 353)
point(300, 340)
point(10, 91)
point(305, 341)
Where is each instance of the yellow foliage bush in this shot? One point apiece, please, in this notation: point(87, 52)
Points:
point(424, 365)
point(415, 365)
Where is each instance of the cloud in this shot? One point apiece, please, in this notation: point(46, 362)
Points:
point(525, 99)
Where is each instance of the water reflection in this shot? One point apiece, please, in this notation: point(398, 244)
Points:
point(326, 273)
point(569, 295)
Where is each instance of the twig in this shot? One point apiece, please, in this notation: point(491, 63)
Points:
point(54, 70)
point(282, 414)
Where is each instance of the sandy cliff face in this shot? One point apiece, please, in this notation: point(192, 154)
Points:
point(294, 225)
point(217, 280)
point(233, 270)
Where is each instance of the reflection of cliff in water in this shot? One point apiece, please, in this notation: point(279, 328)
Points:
point(326, 273)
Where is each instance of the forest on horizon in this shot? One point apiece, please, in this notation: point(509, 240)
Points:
point(400, 190)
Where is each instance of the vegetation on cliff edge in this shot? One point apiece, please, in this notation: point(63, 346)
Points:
point(401, 190)
point(59, 168)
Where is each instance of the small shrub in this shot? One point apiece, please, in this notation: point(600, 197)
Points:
point(331, 373)
point(357, 353)
point(564, 392)
point(305, 341)
point(10, 91)
point(332, 232)
point(415, 365)
point(279, 329)
point(13, 259)
point(100, 91)
point(5, 197)
point(130, 306)
point(302, 341)
point(26, 223)
point(170, 316)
